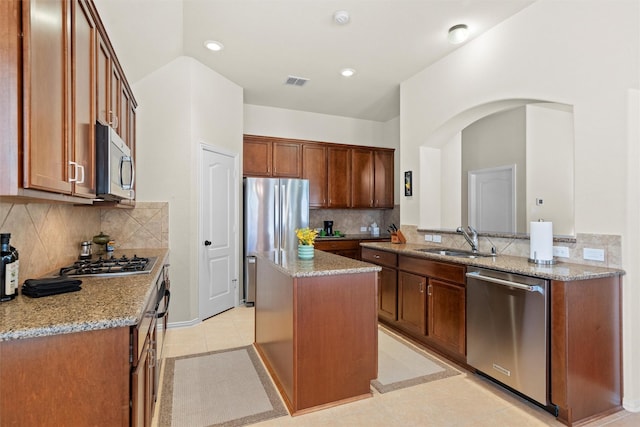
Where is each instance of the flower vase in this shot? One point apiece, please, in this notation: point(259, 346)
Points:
point(305, 251)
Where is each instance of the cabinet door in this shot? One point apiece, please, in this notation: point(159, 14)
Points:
point(339, 177)
point(388, 294)
point(383, 179)
point(103, 81)
point(314, 168)
point(412, 302)
point(287, 159)
point(256, 157)
point(47, 77)
point(140, 390)
point(115, 88)
point(123, 125)
point(362, 178)
point(447, 315)
point(83, 133)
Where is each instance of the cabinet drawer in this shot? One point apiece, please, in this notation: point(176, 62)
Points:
point(332, 245)
point(438, 270)
point(142, 331)
point(375, 256)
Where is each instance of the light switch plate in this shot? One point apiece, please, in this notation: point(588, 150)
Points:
point(593, 254)
point(437, 238)
point(363, 229)
point(428, 238)
point(561, 251)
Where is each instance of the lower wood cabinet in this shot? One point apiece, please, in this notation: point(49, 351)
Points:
point(412, 303)
point(446, 315)
point(348, 247)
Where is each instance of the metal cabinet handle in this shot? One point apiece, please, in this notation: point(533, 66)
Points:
point(376, 256)
point(421, 287)
point(429, 289)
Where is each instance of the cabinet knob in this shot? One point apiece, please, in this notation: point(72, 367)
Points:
point(207, 243)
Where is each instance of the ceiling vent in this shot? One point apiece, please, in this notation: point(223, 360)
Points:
point(296, 81)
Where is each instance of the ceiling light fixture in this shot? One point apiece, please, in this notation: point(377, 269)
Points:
point(347, 72)
point(213, 45)
point(341, 17)
point(458, 33)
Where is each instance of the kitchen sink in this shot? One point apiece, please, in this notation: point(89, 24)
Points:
point(460, 253)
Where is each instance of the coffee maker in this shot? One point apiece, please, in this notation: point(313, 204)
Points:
point(328, 228)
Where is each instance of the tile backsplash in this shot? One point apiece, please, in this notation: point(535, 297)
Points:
point(610, 244)
point(48, 236)
point(349, 221)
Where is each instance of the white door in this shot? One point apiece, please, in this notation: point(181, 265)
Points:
point(218, 270)
point(492, 199)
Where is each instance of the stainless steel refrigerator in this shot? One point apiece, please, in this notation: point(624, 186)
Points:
point(273, 209)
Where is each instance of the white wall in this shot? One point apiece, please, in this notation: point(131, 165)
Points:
point(271, 121)
point(584, 54)
point(183, 104)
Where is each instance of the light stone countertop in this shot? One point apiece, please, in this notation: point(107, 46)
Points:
point(322, 264)
point(364, 236)
point(560, 271)
point(104, 302)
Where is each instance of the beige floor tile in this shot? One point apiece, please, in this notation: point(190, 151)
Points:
point(459, 401)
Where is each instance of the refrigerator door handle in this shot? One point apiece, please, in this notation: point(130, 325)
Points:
point(276, 216)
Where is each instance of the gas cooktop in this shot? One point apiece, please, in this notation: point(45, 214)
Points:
point(109, 266)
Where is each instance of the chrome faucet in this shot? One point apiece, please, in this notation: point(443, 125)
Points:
point(471, 237)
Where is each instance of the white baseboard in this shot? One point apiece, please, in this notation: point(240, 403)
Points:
point(631, 405)
point(183, 324)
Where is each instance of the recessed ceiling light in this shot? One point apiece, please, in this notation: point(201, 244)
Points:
point(213, 45)
point(458, 33)
point(347, 72)
point(341, 17)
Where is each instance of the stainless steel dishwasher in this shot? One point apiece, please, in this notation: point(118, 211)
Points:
point(507, 324)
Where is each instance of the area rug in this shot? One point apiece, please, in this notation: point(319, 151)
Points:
point(219, 388)
point(401, 364)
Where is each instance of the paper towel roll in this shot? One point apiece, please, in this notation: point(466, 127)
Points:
point(541, 238)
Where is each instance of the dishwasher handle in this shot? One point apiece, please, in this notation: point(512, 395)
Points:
point(529, 288)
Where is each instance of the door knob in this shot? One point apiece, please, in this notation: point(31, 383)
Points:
point(207, 243)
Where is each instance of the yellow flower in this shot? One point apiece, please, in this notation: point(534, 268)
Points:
point(306, 236)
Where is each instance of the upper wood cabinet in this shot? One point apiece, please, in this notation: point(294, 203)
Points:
point(314, 168)
point(266, 157)
point(340, 175)
point(372, 175)
point(54, 87)
point(383, 194)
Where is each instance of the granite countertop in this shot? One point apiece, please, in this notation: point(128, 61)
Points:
point(104, 302)
point(322, 264)
point(561, 271)
point(366, 236)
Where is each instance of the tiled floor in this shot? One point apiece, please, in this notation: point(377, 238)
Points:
point(462, 400)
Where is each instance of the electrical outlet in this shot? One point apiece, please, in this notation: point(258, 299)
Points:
point(593, 254)
point(363, 229)
point(428, 238)
point(561, 251)
point(437, 238)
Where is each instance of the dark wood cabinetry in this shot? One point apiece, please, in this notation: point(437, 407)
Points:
point(266, 157)
point(57, 82)
point(423, 298)
point(387, 282)
point(347, 248)
point(314, 168)
point(340, 176)
point(412, 303)
point(362, 178)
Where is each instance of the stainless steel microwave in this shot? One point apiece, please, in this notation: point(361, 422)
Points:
point(115, 172)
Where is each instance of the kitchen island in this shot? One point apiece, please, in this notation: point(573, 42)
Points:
point(72, 359)
point(316, 328)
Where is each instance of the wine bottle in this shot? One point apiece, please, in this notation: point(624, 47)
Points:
point(9, 266)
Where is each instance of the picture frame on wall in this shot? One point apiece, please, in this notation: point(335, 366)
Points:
point(408, 184)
